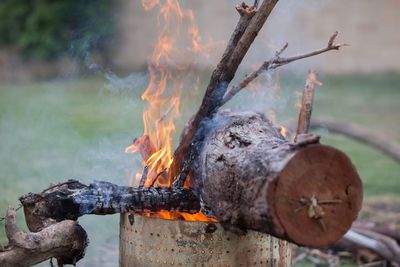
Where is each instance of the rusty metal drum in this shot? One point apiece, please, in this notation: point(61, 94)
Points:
point(147, 241)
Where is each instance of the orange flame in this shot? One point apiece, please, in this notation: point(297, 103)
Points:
point(163, 94)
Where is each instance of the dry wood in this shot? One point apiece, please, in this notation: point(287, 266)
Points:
point(225, 71)
point(276, 62)
point(248, 176)
point(388, 228)
point(144, 145)
point(359, 133)
point(245, 173)
point(356, 240)
point(305, 113)
point(66, 241)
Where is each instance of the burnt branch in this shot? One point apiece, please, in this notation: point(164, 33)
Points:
point(70, 200)
point(144, 176)
point(276, 62)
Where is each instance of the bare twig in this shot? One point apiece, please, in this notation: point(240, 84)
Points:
point(354, 131)
point(389, 242)
point(144, 176)
point(359, 133)
point(19, 206)
point(303, 123)
point(255, 5)
point(375, 242)
point(276, 62)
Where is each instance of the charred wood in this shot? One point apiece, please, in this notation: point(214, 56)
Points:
point(72, 199)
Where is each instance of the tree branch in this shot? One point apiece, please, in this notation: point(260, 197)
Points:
point(65, 241)
point(359, 133)
point(307, 104)
point(380, 244)
point(73, 199)
point(276, 62)
point(240, 42)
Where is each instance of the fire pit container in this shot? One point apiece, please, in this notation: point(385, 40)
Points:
point(147, 241)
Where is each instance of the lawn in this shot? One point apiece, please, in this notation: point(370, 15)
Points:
point(53, 131)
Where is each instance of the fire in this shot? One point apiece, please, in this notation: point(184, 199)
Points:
point(163, 95)
point(283, 131)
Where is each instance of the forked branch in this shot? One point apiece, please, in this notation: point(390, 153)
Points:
point(65, 240)
point(276, 62)
point(240, 42)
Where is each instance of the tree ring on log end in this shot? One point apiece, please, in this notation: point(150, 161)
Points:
point(317, 196)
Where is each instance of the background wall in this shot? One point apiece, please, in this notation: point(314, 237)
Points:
point(369, 26)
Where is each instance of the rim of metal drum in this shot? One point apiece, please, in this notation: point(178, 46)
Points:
point(147, 241)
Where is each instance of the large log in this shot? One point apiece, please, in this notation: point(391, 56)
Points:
point(247, 176)
point(250, 177)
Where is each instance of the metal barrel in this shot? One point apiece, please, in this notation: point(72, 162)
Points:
point(147, 241)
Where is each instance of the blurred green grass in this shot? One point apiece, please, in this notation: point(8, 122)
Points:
point(53, 131)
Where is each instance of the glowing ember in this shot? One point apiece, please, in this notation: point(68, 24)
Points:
point(163, 94)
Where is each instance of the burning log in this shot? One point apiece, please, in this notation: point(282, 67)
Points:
point(72, 199)
point(249, 177)
point(243, 171)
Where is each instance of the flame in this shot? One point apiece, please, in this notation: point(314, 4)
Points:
point(163, 96)
point(283, 131)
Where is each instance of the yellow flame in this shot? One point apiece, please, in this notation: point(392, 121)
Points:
point(163, 95)
point(284, 131)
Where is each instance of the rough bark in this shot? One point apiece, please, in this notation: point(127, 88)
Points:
point(250, 177)
point(240, 42)
point(72, 199)
point(66, 241)
point(247, 177)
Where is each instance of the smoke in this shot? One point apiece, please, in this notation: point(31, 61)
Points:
point(54, 131)
point(274, 91)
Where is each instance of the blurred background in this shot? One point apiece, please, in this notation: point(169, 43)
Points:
point(72, 73)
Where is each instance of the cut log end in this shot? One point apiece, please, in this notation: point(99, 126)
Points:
point(253, 178)
point(316, 196)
